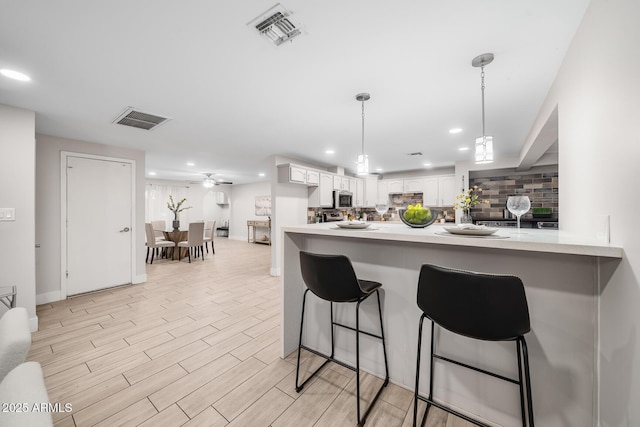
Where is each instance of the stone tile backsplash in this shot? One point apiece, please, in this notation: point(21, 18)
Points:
point(542, 189)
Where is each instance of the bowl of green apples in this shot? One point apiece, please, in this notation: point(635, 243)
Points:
point(418, 216)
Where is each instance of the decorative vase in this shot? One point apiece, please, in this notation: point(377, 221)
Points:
point(176, 225)
point(466, 217)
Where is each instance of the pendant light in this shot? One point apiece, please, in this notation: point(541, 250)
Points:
point(362, 167)
point(484, 143)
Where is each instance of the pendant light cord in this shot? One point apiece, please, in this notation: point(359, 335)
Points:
point(482, 90)
point(363, 127)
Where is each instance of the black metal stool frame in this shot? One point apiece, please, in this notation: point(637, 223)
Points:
point(521, 349)
point(522, 353)
point(330, 358)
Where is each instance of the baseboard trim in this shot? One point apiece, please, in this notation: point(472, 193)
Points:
point(140, 278)
point(275, 272)
point(48, 297)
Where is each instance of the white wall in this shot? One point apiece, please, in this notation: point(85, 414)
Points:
point(17, 165)
point(597, 91)
point(47, 209)
point(243, 207)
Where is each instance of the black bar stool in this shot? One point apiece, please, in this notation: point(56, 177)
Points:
point(482, 306)
point(332, 278)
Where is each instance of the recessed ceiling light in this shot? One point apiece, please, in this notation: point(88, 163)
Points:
point(261, 174)
point(152, 173)
point(190, 164)
point(427, 164)
point(455, 130)
point(463, 148)
point(379, 169)
point(330, 152)
point(15, 75)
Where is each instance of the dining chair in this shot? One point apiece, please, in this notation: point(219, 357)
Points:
point(195, 239)
point(159, 226)
point(153, 243)
point(209, 232)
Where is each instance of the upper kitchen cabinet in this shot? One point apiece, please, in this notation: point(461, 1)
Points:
point(340, 183)
point(298, 175)
point(439, 190)
point(383, 190)
point(370, 191)
point(359, 193)
point(395, 186)
point(413, 185)
point(322, 195)
point(447, 190)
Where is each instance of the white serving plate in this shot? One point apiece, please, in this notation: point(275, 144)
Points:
point(352, 224)
point(479, 231)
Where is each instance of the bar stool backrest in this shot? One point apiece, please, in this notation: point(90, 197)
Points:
point(330, 277)
point(477, 305)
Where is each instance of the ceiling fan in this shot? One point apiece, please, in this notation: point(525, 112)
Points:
point(210, 182)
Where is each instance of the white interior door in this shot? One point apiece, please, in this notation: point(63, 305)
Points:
point(99, 222)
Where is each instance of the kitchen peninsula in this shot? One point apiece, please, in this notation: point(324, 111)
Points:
point(563, 276)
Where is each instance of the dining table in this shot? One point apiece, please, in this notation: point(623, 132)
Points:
point(175, 237)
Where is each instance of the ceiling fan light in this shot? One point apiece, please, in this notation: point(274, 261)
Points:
point(208, 183)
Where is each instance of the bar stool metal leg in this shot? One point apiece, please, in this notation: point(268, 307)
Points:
point(330, 358)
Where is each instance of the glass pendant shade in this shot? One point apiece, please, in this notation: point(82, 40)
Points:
point(362, 164)
point(484, 149)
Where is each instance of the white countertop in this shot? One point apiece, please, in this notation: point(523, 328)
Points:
point(532, 240)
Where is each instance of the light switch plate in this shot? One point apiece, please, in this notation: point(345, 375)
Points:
point(7, 214)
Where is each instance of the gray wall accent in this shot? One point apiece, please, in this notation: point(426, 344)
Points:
point(47, 209)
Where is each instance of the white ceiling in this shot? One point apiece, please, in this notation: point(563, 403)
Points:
point(235, 100)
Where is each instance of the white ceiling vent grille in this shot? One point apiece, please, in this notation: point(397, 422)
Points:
point(276, 25)
point(138, 119)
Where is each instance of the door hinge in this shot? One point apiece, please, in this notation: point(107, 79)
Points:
point(67, 273)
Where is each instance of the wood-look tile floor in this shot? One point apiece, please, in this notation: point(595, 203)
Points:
point(196, 345)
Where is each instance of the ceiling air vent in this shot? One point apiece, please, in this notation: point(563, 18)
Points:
point(276, 25)
point(138, 119)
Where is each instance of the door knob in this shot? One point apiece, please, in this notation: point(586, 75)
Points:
point(124, 230)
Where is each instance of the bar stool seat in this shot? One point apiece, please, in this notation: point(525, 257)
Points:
point(481, 306)
point(332, 278)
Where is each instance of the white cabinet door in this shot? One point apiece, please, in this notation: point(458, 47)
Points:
point(430, 191)
point(326, 190)
point(413, 185)
point(360, 193)
point(447, 190)
point(370, 191)
point(313, 177)
point(396, 186)
point(383, 190)
point(297, 174)
point(337, 182)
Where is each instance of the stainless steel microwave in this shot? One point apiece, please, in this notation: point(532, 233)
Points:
point(342, 199)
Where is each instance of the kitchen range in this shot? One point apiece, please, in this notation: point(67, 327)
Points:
point(553, 225)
